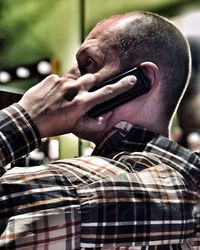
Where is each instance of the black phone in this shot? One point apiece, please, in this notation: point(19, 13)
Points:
point(141, 87)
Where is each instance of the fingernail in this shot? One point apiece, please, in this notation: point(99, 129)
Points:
point(132, 79)
point(100, 120)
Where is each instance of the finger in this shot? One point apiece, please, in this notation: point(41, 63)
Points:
point(53, 78)
point(72, 87)
point(86, 82)
point(73, 73)
point(111, 91)
point(101, 120)
point(94, 125)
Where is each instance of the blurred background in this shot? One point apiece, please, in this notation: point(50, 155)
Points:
point(39, 37)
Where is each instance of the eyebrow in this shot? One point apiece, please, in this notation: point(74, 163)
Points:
point(79, 52)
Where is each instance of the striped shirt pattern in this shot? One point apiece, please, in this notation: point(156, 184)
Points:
point(18, 134)
point(138, 190)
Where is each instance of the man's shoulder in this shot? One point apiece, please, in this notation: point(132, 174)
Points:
point(89, 169)
point(186, 162)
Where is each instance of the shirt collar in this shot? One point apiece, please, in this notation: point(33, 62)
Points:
point(178, 157)
point(124, 137)
point(130, 138)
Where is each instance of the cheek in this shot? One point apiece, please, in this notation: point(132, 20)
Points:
point(123, 110)
point(126, 112)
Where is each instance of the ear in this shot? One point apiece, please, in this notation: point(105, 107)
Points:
point(151, 71)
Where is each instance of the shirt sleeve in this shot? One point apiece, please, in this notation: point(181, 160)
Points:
point(18, 134)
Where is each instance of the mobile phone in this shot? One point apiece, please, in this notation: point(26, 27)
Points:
point(141, 87)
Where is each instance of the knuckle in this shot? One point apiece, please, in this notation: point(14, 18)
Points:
point(91, 77)
point(78, 102)
point(79, 106)
point(53, 78)
point(109, 90)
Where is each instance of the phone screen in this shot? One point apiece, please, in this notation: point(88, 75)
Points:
point(141, 87)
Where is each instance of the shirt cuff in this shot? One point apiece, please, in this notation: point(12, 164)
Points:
point(18, 134)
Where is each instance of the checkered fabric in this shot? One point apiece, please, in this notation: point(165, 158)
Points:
point(139, 190)
point(18, 134)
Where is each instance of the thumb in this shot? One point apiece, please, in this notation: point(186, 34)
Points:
point(103, 119)
point(98, 124)
point(92, 128)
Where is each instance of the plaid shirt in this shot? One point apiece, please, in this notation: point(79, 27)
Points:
point(140, 191)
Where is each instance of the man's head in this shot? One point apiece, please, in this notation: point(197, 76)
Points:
point(151, 42)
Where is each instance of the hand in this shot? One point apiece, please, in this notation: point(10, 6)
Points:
point(57, 104)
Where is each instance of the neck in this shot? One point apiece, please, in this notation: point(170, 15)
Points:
point(153, 121)
point(156, 127)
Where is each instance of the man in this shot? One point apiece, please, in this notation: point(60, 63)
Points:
point(140, 191)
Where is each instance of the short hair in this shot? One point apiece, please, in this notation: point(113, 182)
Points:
point(150, 37)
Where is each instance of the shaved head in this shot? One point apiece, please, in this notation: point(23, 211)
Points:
point(144, 36)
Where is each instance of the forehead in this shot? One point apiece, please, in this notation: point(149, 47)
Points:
point(101, 32)
point(101, 37)
point(108, 28)
point(112, 24)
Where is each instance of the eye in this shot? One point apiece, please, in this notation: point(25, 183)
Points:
point(88, 65)
point(89, 61)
